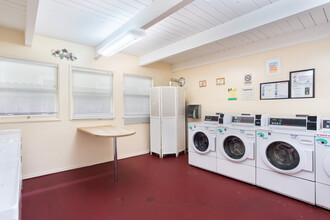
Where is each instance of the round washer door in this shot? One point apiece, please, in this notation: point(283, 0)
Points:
point(234, 148)
point(284, 157)
point(201, 142)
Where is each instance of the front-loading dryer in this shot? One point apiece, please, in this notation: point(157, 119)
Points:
point(286, 157)
point(322, 148)
point(236, 149)
point(202, 149)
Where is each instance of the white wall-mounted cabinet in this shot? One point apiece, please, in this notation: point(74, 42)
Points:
point(167, 120)
point(10, 174)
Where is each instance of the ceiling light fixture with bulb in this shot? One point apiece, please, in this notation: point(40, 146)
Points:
point(121, 42)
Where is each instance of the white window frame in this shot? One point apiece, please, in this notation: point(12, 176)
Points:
point(101, 72)
point(135, 119)
point(34, 118)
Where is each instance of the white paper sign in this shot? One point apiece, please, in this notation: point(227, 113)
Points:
point(247, 94)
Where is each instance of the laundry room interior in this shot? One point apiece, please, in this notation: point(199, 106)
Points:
point(213, 113)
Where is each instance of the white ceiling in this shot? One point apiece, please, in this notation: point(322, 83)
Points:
point(184, 33)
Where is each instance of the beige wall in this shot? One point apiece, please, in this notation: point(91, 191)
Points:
point(55, 146)
point(49, 147)
point(305, 56)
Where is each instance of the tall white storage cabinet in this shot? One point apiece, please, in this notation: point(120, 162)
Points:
point(167, 120)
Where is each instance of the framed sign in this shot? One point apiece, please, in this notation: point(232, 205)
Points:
point(275, 90)
point(273, 66)
point(202, 83)
point(302, 83)
point(220, 81)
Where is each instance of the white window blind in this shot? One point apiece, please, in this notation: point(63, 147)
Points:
point(27, 88)
point(137, 98)
point(92, 94)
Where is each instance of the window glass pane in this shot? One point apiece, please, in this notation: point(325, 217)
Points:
point(92, 106)
point(27, 103)
point(137, 105)
point(137, 98)
point(92, 94)
point(27, 75)
point(137, 85)
point(92, 82)
point(27, 88)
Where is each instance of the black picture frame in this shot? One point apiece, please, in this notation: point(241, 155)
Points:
point(270, 84)
point(301, 88)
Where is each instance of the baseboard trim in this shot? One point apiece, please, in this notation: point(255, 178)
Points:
point(77, 166)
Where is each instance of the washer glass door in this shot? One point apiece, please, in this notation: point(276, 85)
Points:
point(282, 155)
point(234, 147)
point(201, 142)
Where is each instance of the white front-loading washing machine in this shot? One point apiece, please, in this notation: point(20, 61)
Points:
point(322, 148)
point(236, 148)
point(286, 158)
point(202, 149)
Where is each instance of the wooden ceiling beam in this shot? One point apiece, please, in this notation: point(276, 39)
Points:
point(31, 19)
point(151, 15)
point(266, 15)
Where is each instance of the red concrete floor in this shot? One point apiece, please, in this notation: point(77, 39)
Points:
point(153, 188)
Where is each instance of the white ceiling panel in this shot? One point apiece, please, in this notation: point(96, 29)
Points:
point(94, 22)
point(295, 23)
point(199, 16)
point(251, 36)
point(261, 3)
point(203, 14)
point(210, 9)
point(85, 21)
point(241, 7)
point(13, 14)
point(280, 28)
point(306, 20)
point(258, 33)
point(318, 15)
point(285, 26)
point(326, 10)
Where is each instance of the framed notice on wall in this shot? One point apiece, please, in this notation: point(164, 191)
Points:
point(302, 83)
point(273, 66)
point(275, 90)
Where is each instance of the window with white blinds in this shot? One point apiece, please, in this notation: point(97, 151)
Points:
point(27, 88)
point(137, 98)
point(92, 94)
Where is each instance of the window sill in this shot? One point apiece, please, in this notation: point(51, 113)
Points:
point(136, 119)
point(75, 119)
point(26, 119)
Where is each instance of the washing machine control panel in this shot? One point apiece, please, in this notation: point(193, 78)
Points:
point(243, 119)
point(326, 123)
point(211, 119)
point(295, 122)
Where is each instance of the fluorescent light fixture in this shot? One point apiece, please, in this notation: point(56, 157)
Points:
point(128, 38)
